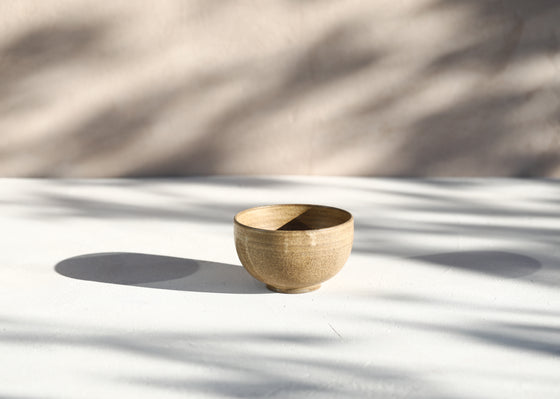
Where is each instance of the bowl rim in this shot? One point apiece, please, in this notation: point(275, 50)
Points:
point(337, 226)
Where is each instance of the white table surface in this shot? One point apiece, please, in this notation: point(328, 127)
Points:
point(133, 289)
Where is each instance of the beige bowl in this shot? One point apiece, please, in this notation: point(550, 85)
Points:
point(293, 248)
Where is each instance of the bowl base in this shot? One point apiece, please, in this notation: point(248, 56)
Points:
point(294, 290)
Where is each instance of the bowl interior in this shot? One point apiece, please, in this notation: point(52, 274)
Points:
point(293, 217)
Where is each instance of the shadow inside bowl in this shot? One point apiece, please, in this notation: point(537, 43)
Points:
point(297, 223)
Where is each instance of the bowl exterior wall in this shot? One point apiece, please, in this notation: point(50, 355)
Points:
point(294, 259)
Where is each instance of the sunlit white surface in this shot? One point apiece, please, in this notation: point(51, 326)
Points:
point(452, 291)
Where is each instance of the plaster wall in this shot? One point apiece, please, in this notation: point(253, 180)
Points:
point(175, 87)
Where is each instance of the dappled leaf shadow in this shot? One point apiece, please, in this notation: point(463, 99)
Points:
point(486, 126)
point(269, 371)
point(535, 338)
point(35, 53)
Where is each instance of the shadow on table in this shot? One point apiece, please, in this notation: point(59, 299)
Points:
point(157, 271)
point(496, 263)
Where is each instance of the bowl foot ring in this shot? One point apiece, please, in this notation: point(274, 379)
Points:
point(294, 290)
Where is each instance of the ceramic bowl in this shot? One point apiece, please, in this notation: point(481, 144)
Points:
point(293, 248)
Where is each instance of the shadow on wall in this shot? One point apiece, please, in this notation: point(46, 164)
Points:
point(40, 52)
point(483, 123)
point(157, 271)
point(341, 100)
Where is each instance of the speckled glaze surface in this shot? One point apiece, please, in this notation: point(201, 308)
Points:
point(293, 248)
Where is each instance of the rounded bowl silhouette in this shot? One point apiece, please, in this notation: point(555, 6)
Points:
point(293, 248)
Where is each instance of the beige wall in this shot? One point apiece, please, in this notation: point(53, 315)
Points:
point(380, 87)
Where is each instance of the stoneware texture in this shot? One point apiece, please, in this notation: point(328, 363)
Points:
point(293, 248)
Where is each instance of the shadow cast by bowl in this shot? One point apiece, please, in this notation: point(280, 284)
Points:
point(163, 272)
point(495, 263)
